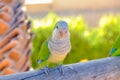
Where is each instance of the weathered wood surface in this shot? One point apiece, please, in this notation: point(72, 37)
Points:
point(101, 69)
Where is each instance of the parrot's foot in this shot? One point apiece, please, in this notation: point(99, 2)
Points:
point(46, 70)
point(70, 67)
point(60, 68)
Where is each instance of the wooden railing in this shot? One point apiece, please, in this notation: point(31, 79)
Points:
point(101, 69)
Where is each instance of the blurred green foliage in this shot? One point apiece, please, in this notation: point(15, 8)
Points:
point(87, 42)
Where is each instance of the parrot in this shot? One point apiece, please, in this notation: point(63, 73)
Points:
point(55, 49)
point(115, 51)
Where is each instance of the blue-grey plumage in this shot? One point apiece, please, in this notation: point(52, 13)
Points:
point(62, 24)
point(60, 30)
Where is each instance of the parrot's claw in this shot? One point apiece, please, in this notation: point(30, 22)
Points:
point(60, 68)
point(70, 67)
point(46, 70)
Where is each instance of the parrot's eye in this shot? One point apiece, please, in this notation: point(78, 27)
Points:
point(56, 26)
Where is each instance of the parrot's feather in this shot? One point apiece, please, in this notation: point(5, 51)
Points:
point(38, 60)
point(44, 52)
point(115, 49)
point(116, 53)
point(117, 42)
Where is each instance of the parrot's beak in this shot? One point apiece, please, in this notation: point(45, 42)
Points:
point(63, 33)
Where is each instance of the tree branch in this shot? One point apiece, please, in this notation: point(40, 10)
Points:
point(101, 69)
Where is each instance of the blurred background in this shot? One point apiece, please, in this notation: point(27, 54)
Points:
point(94, 25)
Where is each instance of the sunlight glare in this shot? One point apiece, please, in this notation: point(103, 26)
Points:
point(86, 33)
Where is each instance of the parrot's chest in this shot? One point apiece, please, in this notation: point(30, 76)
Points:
point(58, 50)
point(56, 58)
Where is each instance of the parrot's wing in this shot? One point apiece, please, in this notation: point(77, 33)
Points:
point(113, 50)
point(117, 42)
point(116, 53)
point(44, 52)
point(39, 58)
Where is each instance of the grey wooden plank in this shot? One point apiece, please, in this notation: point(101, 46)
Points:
point(101, 69)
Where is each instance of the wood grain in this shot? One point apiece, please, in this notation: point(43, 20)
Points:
point(101, 69)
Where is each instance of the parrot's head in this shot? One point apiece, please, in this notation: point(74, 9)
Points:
point(61, 30)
